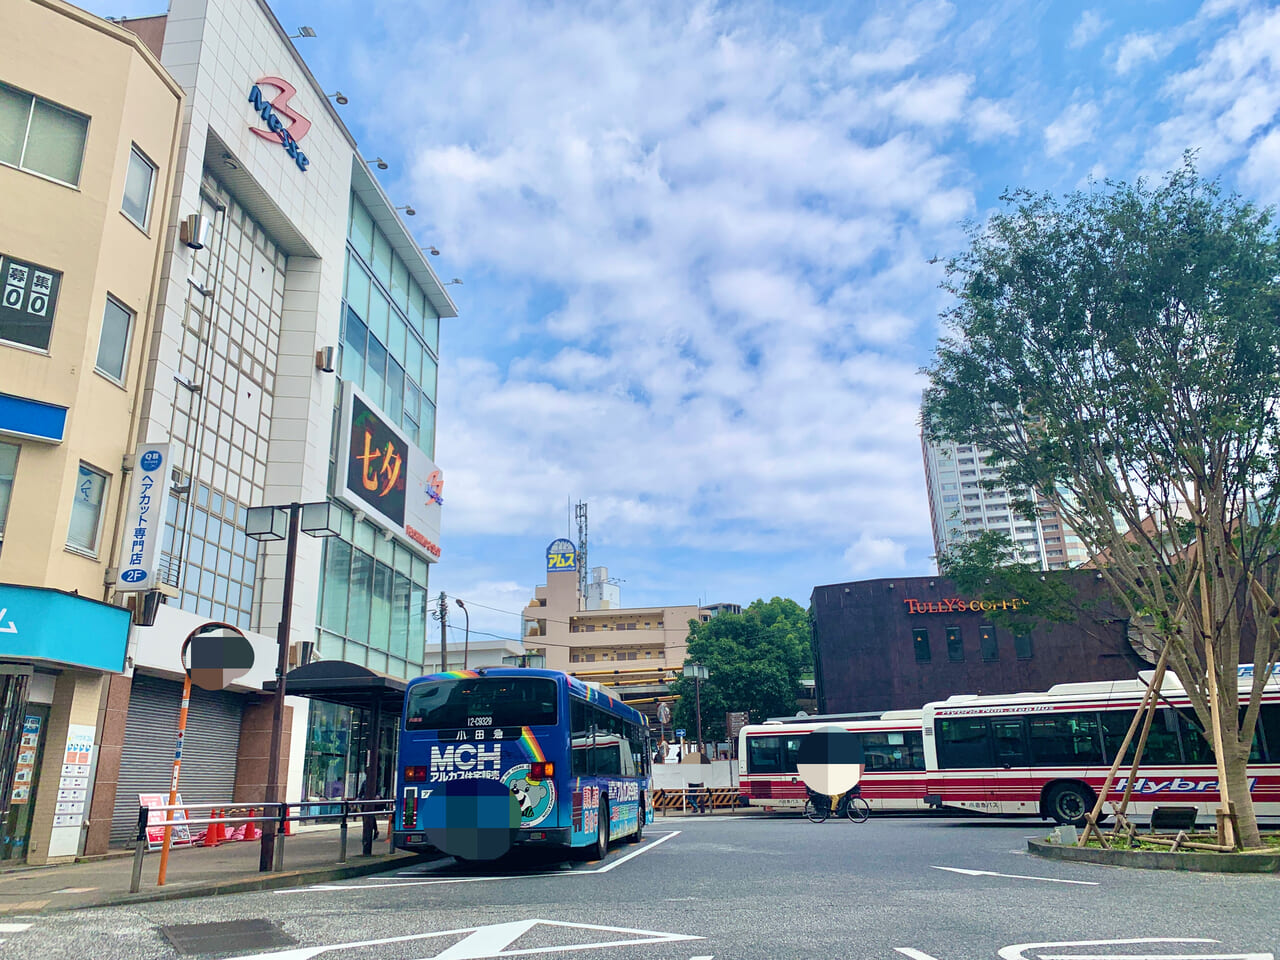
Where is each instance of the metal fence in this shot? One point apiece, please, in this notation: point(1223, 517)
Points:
point(273, 816)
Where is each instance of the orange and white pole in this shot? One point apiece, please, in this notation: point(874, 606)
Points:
point(173, 784)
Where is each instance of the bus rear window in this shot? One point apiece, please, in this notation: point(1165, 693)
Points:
point(482, 702)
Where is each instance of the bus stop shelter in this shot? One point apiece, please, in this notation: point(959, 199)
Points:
point(379, 697)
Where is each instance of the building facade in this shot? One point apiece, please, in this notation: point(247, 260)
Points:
point(638, 649)
point(87, 162)
point(896, 644)
point(960, 506)
point(220, 278)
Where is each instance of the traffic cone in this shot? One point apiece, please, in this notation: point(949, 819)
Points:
point(288, 824)
point(251, 831)
point(213, 835)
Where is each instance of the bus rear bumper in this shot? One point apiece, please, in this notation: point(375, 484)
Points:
point(416, 841)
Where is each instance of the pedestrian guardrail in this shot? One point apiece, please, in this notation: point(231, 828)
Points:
point(274, 818)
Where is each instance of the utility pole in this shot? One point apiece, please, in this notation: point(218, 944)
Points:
point(442, 613)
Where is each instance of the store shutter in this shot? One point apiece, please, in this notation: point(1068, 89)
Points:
point(151, 732)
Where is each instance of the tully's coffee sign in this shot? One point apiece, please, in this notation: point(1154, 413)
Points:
point(958, 605)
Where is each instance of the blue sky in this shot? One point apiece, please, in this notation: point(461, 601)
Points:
point(694, 239)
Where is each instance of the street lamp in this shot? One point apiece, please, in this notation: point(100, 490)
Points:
point(466, 643)
point(698, 671)
point(279, 523)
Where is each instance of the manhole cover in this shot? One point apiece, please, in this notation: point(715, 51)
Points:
point(226, 936)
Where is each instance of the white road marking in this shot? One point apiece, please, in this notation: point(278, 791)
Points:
point(1014, 876)
point(1034, 951)
point(1021, 951)
point(14, 927)
point(408, 881)
point(490, 941)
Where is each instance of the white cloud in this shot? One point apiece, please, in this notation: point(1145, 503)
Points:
point(1073, 127)
point(992, 119)
point(1087, 28)
point(1139, 48)
point(1224, 101)
point(874, 556)
point(729, 223)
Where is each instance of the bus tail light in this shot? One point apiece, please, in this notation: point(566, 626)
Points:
point(410, 808)
point(415, 774)
point(541, 771)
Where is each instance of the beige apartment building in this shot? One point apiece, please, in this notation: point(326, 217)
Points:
point(578, 640)
point(89, 124)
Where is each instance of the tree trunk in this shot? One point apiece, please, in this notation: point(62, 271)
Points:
point(1237, 764)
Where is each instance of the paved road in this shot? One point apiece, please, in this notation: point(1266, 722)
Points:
point(717, 888)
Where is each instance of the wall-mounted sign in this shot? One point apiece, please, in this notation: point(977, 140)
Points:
point(24, 771)
point(272, 110)
point(28, 298)
point(385, 476)
point(144, 518)
point(957, 605)
point(561, 555)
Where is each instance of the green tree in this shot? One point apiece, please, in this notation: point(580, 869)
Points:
point(754, 663)
point(1118, 351)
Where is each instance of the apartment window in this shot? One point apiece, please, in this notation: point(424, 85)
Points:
point(86, 510)
point(955, 646)
point(139, 187)
point(113, 342)
point(41, 137)
point(987, 642)
point(920, 643)
point(8, 466)
point(1022, 646)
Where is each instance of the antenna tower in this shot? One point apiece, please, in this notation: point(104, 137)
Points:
point(580, 514)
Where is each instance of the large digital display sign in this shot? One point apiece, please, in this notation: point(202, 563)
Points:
point(386, 477)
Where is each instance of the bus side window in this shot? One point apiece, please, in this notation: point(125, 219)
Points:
point(580, 741)
point(1269, 721)
point(913, 749)
point(1065, 739)
point(963, 742)
point(762, 755)
point(790, 754)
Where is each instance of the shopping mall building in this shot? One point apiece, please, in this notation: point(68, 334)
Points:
point(210, 304)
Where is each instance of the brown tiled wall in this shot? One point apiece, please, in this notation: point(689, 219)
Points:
point(255, 750)
point(110, 748)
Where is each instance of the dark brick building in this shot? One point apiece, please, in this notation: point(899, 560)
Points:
point(899, 643)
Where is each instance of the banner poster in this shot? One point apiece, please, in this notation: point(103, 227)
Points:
point(155, 835)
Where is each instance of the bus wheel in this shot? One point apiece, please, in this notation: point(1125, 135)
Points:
point(1069, 802)
point(602, 831)
point(639, 834)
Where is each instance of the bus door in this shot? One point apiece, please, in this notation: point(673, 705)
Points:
point(1012, 786)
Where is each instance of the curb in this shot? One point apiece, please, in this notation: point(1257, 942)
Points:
point(1152, 860)
point(271, 881)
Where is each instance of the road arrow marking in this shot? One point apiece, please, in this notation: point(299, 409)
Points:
point(1014, 876)
point(491, 940)
point(1021, 951)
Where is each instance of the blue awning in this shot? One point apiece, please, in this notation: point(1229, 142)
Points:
point(32, 419)
point(37, 623)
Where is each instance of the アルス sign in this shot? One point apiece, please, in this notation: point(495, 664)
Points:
point(957, 605)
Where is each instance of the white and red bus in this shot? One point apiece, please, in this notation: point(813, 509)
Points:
point(1048, 754)
point(892, 743)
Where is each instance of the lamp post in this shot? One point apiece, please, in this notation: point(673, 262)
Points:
point(282, 523)
point(698, 671)
point(466, 643)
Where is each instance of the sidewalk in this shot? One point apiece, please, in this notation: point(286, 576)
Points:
point(310, 856)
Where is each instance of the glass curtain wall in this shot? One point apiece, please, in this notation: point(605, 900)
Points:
point(373, 603)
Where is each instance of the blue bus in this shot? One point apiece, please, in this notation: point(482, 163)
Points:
point(504, 756)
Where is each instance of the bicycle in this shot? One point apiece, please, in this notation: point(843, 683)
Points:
point(818, 807)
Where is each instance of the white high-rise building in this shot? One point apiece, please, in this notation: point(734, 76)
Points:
point(960, 507)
